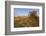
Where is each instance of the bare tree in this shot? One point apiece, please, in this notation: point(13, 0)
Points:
point(34, 18)
point(33, 13)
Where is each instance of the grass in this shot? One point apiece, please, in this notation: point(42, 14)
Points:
point(26, 22)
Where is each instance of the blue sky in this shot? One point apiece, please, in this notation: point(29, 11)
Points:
point(23, 11)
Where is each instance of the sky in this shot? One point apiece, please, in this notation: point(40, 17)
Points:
point(23, 11)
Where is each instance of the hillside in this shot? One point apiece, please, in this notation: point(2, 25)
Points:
point(32, 20)
point(25, 21)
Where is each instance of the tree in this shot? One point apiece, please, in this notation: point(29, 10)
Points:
point(33, 13)
point(34, 18)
